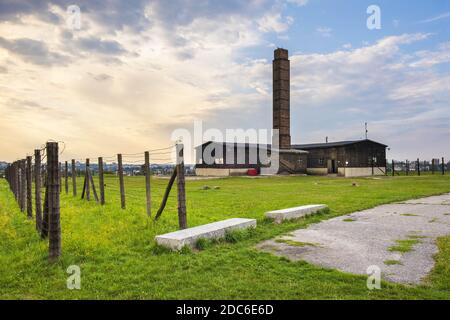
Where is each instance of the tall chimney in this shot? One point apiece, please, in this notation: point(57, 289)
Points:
point(281, 97)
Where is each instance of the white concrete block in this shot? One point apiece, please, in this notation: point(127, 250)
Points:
point(294, 213)
point(178, 239)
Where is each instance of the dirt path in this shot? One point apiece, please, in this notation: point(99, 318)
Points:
point(356, 241)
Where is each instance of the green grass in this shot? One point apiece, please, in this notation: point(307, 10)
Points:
point(405, 245)
point(391, 262)
point(296, 243)
point(119, 259)
point(348, 220)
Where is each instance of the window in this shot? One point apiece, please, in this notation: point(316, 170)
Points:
point(321, 161)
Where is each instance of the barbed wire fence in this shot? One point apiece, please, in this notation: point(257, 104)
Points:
point(48, 183)
point(19, 176)
point(417, 167)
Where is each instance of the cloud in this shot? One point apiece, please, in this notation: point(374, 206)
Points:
point(274, 22)
point(436, 18)
point(299, 3)
point(347, 46)
point(429, 58)
point(146, 67)
point(324, 31)
point(21, 104)
point(33, 51)
point(106, 47)
point(379, 83)
point(101, 76)
point(15, 10)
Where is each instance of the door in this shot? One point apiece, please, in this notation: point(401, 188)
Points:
point(331, 164)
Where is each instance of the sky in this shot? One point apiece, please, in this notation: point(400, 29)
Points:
point(132, 72)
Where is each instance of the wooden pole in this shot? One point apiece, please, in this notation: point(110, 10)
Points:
point(86, 181)
point(443, 166)
point(23, 185)
point(66, 177)
point(74, 178)
point(60, 177)
point(166, 194)
point(432, 166)
point(147, 183)
point(54, 178)
point(407, 167)
point(29, 188)
point(45, 223)
point(37, 189)
point(418, 166)
point(101, 181)
point(16, 181)
point(182, 215)
point(122, 187)
point(91, 179)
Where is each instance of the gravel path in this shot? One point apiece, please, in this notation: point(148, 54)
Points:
point(356, 241)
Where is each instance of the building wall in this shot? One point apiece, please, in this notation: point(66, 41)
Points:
point(317, 171)
point(296, 162)
point(357, 155)
point(220, 172)
point(361, 172)
point(227, 156)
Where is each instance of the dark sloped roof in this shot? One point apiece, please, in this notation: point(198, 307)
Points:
point(238, 144)
point(332, 144)
point(294, 146)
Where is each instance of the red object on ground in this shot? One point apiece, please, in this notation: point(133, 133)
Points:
point(252, 172)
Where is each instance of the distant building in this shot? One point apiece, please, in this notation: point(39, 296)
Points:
point(343, 158)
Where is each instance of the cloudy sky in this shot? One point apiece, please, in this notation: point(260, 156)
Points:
point(136, 70)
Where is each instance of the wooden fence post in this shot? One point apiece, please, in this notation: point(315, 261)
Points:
point(74, 178)
point(182, 215)
point(66, 177)
point(122, 187)
point(37, 189)
point(17, 181)
point(407, 167)
point(166, 194)
point(23, 185)
point(101, 181)
point(432, 166)
point(54, 175)
point(91, 179)
point(443, 166)
point(86, 182)
point(147, 183)
point(60, 177)
point(29, 188)
point(45, 219)
point(418, 166)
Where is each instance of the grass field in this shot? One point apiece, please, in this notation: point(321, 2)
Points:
point(119, 260)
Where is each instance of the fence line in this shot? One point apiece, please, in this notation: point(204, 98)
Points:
point(47, 178)
point(418, 167)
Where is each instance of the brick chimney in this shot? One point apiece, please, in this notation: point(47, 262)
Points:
point(281, 97)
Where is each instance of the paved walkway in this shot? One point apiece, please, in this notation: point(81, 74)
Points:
point(356, 241)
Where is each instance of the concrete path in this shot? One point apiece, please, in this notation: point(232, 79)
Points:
point(356, 241)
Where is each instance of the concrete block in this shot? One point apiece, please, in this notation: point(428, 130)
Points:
point(178, 239)
point(294, 213)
